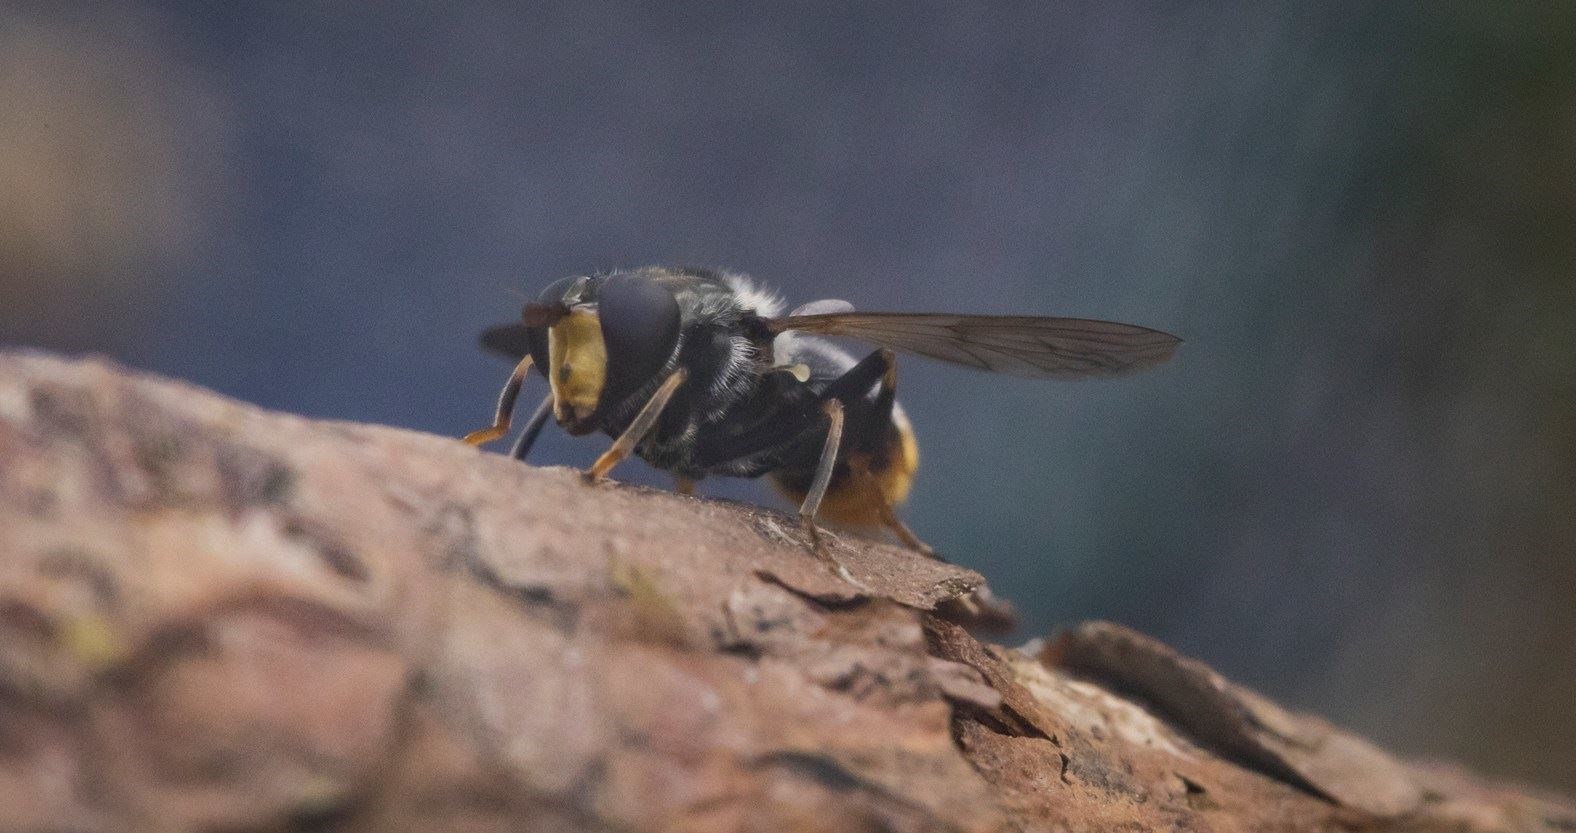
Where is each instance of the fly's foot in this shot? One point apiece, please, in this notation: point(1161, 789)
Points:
point(483, 436)
point(981, 612)
point(818, 546)
point(906, 535)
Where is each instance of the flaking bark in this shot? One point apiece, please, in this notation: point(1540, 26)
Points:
point(213, 617)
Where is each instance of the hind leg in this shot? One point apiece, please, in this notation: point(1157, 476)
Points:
point(825, 412)
point(876, 506)
point(891, 520)
point(823, 477)
point(884, 415)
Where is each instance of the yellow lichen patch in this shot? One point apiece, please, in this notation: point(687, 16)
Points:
point(92, 640)
point(656, 615)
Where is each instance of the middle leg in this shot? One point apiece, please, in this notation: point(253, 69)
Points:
point(522, 446)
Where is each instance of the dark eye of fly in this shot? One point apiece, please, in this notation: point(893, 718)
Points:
point(640, 328)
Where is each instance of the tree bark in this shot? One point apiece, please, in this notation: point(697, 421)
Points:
point(214, 617)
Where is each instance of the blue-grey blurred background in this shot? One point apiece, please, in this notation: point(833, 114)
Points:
point(1355, 489)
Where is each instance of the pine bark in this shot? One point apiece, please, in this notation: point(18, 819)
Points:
point(215, 617)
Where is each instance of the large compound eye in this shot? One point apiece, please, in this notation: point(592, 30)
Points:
point(640, 328)
point(537, 336)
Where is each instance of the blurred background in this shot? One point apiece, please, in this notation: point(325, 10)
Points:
point(1355, 489)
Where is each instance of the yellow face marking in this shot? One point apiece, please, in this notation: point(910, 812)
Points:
point(577, 365)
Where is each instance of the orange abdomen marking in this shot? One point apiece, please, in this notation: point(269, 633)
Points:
point(865, 485)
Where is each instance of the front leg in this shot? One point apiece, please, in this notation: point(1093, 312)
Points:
point(638, 429)
point(505, 412)
point(522, 446)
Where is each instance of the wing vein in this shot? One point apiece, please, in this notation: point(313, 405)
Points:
point(1022, 345)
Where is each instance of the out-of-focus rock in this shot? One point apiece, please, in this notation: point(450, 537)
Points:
point(213, 617)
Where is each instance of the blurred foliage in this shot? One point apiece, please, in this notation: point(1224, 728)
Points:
point(112, 159)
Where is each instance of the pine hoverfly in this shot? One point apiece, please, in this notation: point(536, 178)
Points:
point(699, 373)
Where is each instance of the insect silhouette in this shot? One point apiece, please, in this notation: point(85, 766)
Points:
point(698, 373)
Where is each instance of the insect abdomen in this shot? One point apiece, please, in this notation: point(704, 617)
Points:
point(865, 483)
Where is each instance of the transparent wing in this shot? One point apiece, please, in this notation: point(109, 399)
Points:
point(1020, 345)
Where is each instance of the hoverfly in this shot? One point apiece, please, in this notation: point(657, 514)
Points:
point(699, 373)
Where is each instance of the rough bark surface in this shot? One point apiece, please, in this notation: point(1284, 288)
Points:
point(217, 618)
